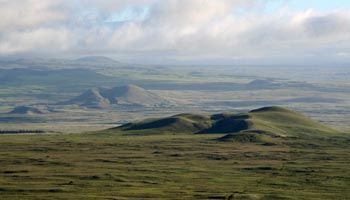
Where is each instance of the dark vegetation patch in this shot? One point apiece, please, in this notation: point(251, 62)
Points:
point(20, 131)
point(241, 137)
point(15, 171)
point(259, 168)
point(93, 177)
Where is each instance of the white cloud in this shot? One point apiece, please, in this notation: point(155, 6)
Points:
point(41, 40)
point(174, 29)
point(16, 14)
point(112, 5)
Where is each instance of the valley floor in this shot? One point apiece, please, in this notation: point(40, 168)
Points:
point(170, 167)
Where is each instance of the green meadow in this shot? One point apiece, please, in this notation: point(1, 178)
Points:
point(116, 166)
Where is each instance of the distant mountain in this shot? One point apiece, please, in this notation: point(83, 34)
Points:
point(90, 62)
point(123, 96)
point(98, 60)
point(26, 110)
point(262, 84)
point(264, 124)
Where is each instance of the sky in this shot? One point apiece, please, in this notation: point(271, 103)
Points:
point(179, 31)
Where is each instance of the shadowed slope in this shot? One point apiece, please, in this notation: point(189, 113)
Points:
point(90, 98)
point(229, 123)
point(132, 94)
point(184, 123)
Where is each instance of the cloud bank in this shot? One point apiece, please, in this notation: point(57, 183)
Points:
point(177, 30)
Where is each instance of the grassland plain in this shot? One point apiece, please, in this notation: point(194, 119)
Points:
point(116, 166)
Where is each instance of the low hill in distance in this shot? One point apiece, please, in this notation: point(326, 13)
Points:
point(98, 61)
point(254, 84)
point(27, 110)
point(88, 62)
point(128, 95)
point(257, 125)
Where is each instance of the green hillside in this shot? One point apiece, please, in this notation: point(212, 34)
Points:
point(272, 122)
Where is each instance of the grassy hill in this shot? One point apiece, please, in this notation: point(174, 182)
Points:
point(267, 122)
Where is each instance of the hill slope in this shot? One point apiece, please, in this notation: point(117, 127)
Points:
point(123, 95)
point(274, 122)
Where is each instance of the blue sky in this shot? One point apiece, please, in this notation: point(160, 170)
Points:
point(271, 6)
point(184, 31)
point(129, 13)
point(319, 4)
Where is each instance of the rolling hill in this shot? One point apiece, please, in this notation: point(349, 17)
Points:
point(128, 95)
point(256, 125)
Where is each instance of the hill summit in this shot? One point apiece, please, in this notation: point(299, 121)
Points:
point(271, 122)
point(123, 95)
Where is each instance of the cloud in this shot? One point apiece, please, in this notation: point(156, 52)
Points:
point(30, 13)
point(41, 40)
point(172, 29)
